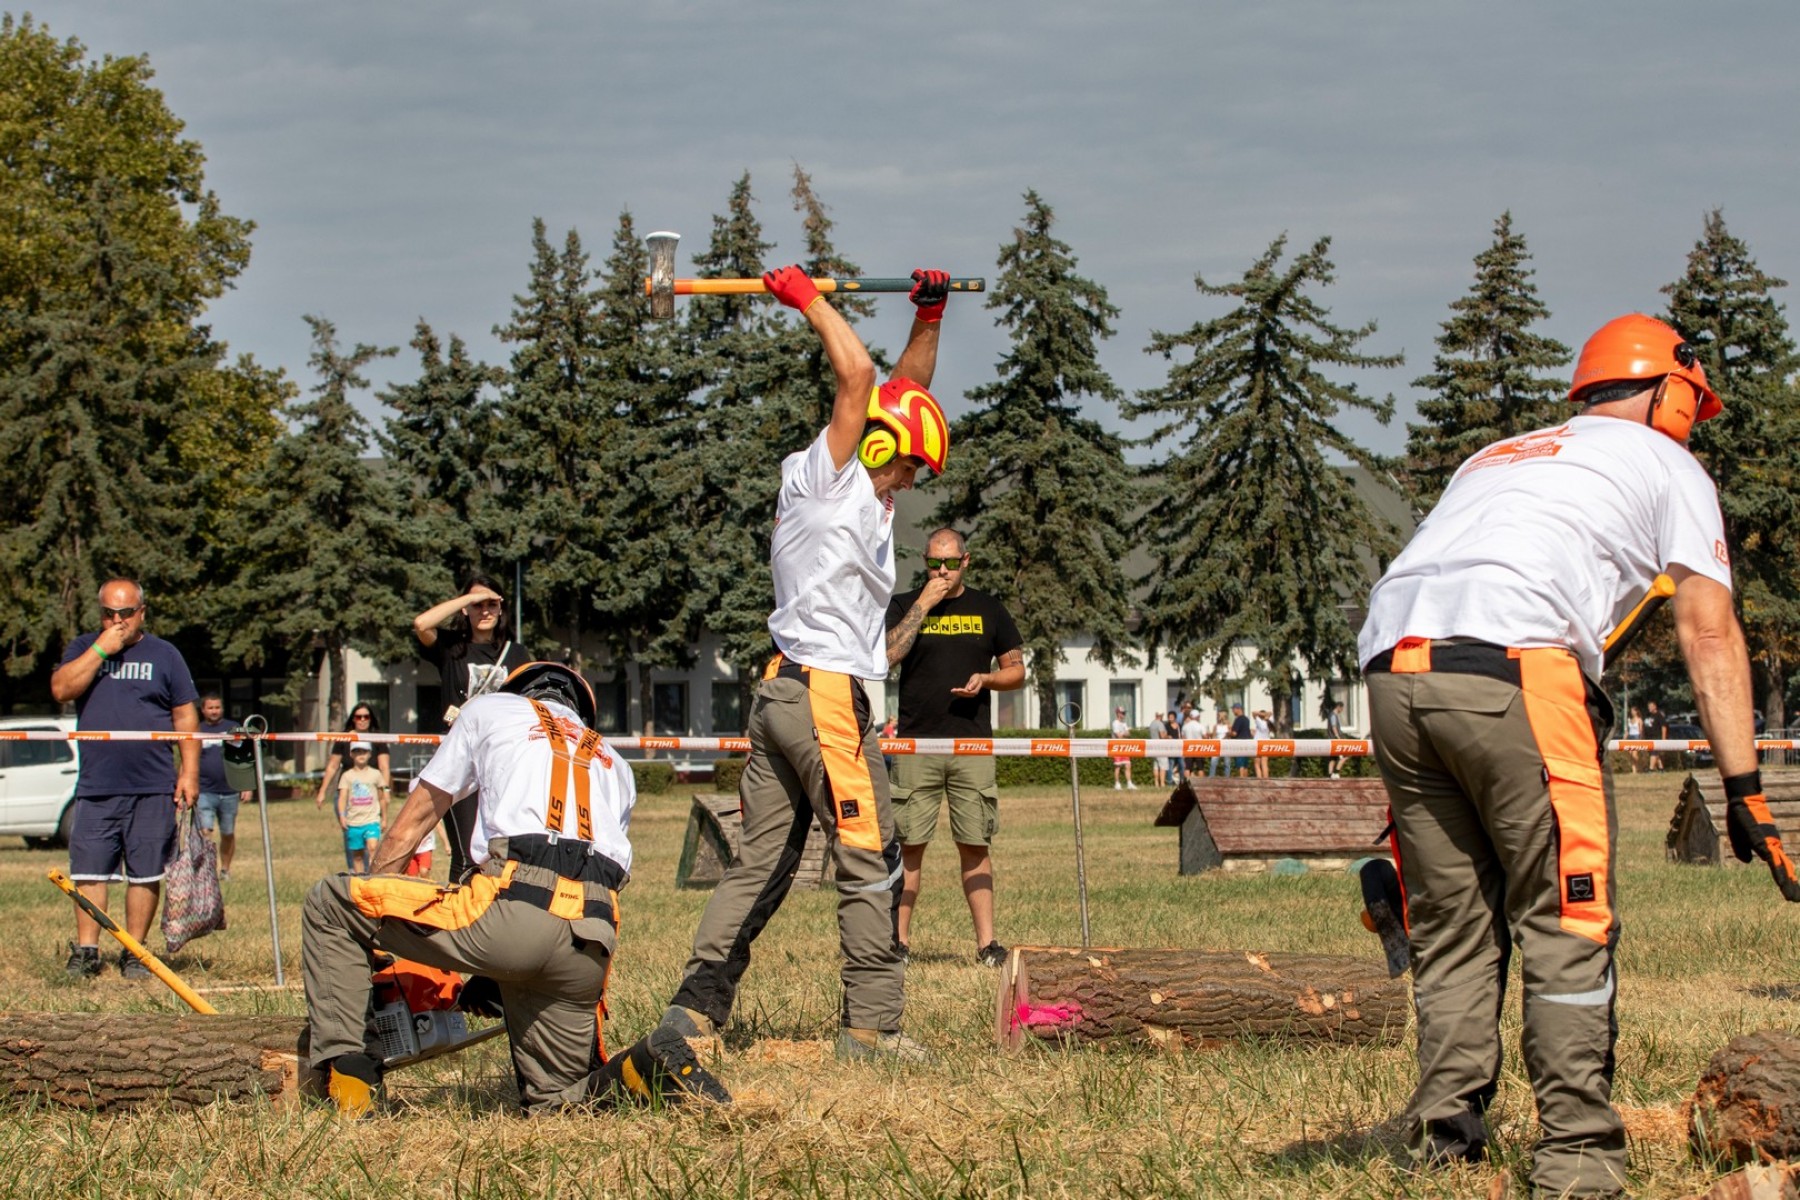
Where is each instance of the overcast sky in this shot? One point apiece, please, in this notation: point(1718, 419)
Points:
point(394, 154)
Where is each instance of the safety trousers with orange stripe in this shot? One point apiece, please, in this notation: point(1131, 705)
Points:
point(814, 750)
point(1506, 827)
point(549, 955)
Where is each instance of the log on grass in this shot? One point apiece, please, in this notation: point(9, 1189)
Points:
point(1747, 1105)
point(105, 1062)
point(1176, 998)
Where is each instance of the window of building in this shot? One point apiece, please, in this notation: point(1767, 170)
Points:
point(727, 707)
point(671, 704)
point(1123, 694)
point(1344, 690)
point(1073, 691)
point(1011, 710)
point(611, 705)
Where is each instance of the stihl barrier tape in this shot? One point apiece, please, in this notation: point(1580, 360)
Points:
point(974, 747)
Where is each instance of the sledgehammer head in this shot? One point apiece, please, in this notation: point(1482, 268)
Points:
point(662, 274)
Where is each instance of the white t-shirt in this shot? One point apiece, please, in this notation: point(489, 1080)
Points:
point(498, 745)
point(1550, 539)
point(832, 556)
point(1192, 729)
point(1260, 728)
point(1120, 729)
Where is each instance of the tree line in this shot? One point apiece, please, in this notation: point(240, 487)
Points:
point(631, 465)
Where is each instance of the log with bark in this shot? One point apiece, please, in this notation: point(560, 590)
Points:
point(1747, 1105)
point(1196, 997)
point(110, 1061)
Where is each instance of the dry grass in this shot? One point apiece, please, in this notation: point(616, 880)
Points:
point(1706, 955)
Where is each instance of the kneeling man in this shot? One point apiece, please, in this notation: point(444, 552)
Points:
point(539, 916)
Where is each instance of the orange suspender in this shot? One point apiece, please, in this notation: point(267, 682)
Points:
point(589, 748)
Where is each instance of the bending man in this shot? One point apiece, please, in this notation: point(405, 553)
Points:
point(814, 747)
point(1483, 654)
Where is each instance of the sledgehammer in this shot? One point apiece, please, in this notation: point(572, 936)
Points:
point(135, 947)
point(662, 287)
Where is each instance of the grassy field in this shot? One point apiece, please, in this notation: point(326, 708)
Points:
point(1707, 954)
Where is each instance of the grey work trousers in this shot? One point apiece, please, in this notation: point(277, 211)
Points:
point(1486, 861)
point(814, 750)
point(550, 984)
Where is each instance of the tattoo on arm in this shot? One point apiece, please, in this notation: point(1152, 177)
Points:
point(1012, 658)
point(901, 637)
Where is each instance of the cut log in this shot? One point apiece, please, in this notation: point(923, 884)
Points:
point(109, 1061)
point(1747, 1106)
point(1248, 824)
point(1195, 997)
point(1778, 1182)
point(711, 845)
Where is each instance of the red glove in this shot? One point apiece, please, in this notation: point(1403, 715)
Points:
point(792, 286)
point(930, 290)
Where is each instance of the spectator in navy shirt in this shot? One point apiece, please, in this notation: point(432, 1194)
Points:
point(126, 795)
point(218, 804)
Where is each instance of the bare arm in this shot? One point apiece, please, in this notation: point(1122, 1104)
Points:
point(332, 768)
point(855, 380)
point(76, 676)
point(905, 632)
point(425, 625)
point(918, 362)
point(1712, 643)
point(186, 719)
point(425, 806)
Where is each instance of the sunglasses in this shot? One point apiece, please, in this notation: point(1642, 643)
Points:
point(947, 564)
point(362, 716)
point(120, 614)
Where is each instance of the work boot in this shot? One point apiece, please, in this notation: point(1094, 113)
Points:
point(659, 1069)
point(354, 1085)
point(991, 955)
point(1458, 1139)
point(855, 1044)
point(84, 962)
point(132, 967)
point(687, 1022)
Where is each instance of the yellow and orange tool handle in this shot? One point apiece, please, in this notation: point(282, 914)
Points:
point(752, 287)
point(156, 965)
point(1661, 588)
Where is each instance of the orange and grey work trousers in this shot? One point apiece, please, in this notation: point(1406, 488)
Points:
point(551, 980)
point(1506, 827)
point(814, 750)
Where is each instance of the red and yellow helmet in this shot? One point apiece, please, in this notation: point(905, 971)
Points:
point(1637, 347)
point(905, 421)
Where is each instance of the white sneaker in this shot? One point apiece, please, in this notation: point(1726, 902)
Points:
point(1117, 787)
point(1132, 786)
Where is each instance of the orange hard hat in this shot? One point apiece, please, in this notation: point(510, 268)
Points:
point(905, 421)
point(1637, 347)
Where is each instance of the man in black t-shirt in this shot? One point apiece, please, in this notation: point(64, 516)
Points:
point(947, 639)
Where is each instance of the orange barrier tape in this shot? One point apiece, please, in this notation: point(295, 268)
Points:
point(969, 747)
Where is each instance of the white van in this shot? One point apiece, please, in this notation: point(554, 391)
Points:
point(37, 783)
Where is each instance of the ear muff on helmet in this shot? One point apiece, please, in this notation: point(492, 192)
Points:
point(878, 447)
point(1674, 407)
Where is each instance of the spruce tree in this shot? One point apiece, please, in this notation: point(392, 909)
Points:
point(642, 586)
point(1723, 304)
point(747, 418)
point(553, 426)
point(1488, 379)
point(1257, 536)
point(439, 442)
point(328, 566)
point(1041, 489)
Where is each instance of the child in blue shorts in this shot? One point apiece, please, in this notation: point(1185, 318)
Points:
point(361, 807)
